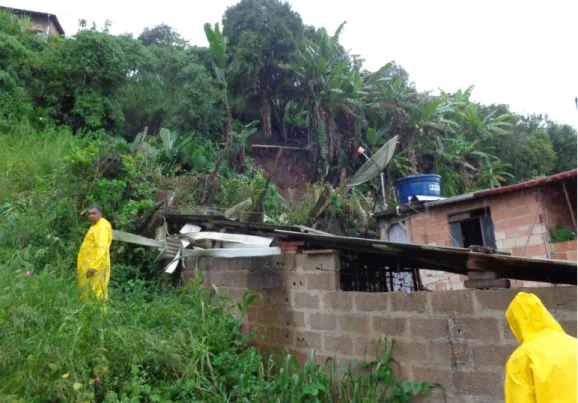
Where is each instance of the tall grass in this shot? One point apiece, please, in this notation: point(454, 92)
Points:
point(27, 157)
point(53, 347)
point(172, 345)
point(154, 343)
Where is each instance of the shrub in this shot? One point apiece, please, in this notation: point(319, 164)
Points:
point(561, 234)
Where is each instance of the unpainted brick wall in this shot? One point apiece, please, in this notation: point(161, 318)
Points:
point(41, 23)
point(512, 215)
point(459, 339)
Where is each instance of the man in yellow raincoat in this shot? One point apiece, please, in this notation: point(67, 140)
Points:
point(94, 256)
point(543, 368)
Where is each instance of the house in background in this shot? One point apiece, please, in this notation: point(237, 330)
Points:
point(531, 219)
point(39, 22)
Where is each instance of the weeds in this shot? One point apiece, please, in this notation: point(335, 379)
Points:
point(154, 343)
point(179, 345)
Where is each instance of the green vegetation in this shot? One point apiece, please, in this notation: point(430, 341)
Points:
point(158, 347)
point(155, 343)
point(113, 119)
point(292, 82)
point(561, 234)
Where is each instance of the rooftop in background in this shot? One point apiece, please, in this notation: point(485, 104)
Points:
point(36, 18)
point(405, 208)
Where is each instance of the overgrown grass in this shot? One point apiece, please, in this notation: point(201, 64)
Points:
point(171, 345)
point(28, 156)
point(155, 343)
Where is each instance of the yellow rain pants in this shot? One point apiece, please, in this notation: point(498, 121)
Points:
point(95, 254)
point(543, 368)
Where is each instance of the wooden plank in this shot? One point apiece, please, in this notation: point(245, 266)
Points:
point(274, 146)
point(320, 251)
point(303, 228)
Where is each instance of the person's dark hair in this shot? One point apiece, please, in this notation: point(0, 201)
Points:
point(95, 206)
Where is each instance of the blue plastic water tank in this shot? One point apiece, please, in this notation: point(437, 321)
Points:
point(418, 185)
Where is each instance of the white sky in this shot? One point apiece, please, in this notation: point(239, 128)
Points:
point(521, 53)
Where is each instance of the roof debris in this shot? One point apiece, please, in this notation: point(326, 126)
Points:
point(186, 245)
point(219, 237)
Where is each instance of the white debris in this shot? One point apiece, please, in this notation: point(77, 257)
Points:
point(190, 228)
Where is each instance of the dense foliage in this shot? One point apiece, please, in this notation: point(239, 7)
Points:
point(295, 81)
point(113, 119)
point(154, 343)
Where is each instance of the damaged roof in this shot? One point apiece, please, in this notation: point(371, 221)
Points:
point(453, 260)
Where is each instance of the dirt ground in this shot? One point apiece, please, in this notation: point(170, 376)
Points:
point(293, 173)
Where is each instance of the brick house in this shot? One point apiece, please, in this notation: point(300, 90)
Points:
point(517, 219)
point(39, 22)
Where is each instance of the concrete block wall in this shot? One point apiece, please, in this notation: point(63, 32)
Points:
point(457, 338)
point(512, 215)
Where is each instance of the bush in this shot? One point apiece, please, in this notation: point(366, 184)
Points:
point(561, 234)
point(154, 343)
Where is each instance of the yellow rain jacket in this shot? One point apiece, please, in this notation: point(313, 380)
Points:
point(95, 254)
point(543, 368)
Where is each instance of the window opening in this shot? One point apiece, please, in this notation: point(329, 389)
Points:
point(366, 272)
point(473, 228)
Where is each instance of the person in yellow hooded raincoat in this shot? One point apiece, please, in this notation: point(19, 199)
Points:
point(93, 263)
point(543, 368)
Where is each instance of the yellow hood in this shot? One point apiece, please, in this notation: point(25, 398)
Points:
point(528, 316)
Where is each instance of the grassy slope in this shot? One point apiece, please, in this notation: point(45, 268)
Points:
point(153, 344)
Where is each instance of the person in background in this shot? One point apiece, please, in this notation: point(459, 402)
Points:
point(93, 263)
point(543, 368)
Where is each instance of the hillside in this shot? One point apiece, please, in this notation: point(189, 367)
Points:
point(120, 120)
point(217, 101)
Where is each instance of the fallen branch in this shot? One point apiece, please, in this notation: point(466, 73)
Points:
point(324, 200)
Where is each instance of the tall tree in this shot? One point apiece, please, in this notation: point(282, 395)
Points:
point(162, 35)
point(564, 144)
point(262, 35)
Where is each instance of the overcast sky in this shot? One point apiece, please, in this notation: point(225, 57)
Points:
point(521, 53)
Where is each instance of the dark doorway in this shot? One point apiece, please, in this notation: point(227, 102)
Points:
point(472, 233)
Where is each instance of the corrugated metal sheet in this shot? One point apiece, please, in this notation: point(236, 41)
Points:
point(453, 260)
point(525, 185)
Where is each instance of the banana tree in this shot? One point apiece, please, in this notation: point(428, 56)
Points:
point(493, 171)
point(222, 68)
point(334, 87)
point(176, 152)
